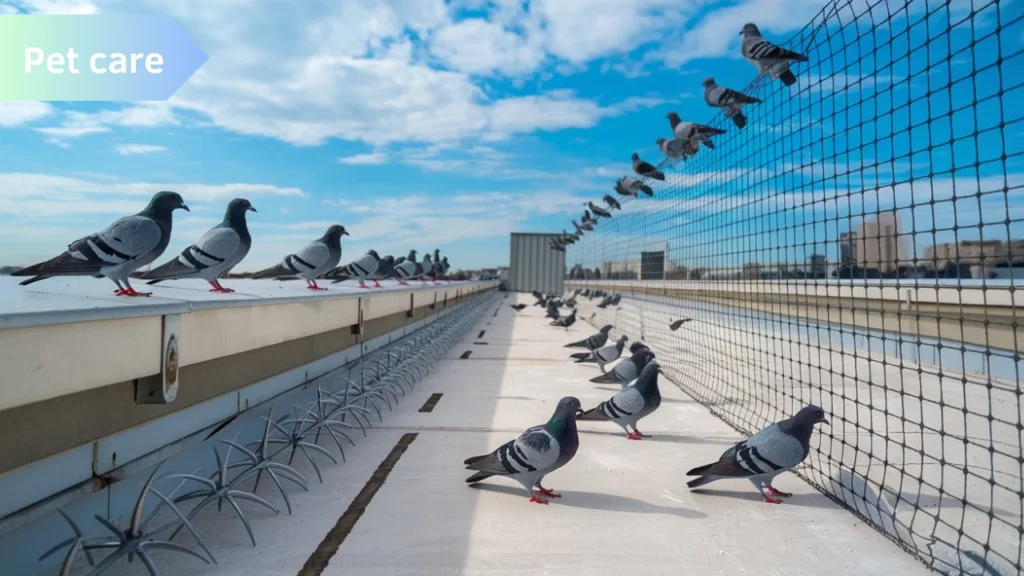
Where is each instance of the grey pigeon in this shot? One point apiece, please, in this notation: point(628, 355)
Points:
point(729, 100)
point(676, 324)
point(629, 186)
point(118, 250)
point(691, 131)
point(765, 455)
point(593, 342)
point(385, 269)
point(399, 260)
point(627, 370)
point(676, 148)
point(536, 453)
point(409, 269)
point(360, 269)
point(425, 267)
point(579, 229)
point(517, 307)
point(629, 405)
point(767, 57)
point(612, 202)
point(216, 252)
point(603, 356)
point(314, 259)
point(565, 321)
point(646, 169)
point(598, 210)
point(445, 266)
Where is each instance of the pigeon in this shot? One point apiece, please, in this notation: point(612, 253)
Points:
point(313, 259)
point(551, 310)
point(217, 251)
point(629, 186)
point(557, 245)
point(517, 307)
point(593, 342)
point(645, 169)
point(632, 403)
point(603, 356)
point(587, 226)
point(691, 131)
point(612, 202)
point(579, 229)
point(536, 453)
point(432, 268)
point(384, 270)
point(598, 210)
point(399, 260)
point(409, 269)
point(565, 321)
point(626, 371)
point(767, 57)
point(765, 455)
point(445, 266)
point(676, 324)
point(729, 100)
point(676, 148)
point(126, 245)
point(359, 269)
point(426, 266)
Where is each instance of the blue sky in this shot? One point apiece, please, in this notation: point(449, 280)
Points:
point(415, 123)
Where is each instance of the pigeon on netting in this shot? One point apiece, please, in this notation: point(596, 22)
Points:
point(598, 210)
point(729, 100)
point(676, 149)
point(612, 202)
point(646, 169)
point(677, 323)
point(767, 57)
point(313, 259)
point(629, 186)
point(537, 452)
point(593, 342)
point(765, 455)
point(115, 252)
point(216, 251)
point(629, 405)
point(691, 131)
point(628, 370)
point(603, 356)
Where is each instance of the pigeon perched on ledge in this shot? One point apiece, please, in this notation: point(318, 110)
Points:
point(767, 57)
point(537, 452)
point(765, 455)
point(312, 260)
point(629, 405)
point(220, 249)
point(115, 252)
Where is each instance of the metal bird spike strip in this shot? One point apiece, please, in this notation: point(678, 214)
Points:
point(383, 377)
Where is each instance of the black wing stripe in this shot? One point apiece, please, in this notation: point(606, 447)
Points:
point(770, 464)
point(107, 248)
point(503, 456)
point(192, 260)
point(206, 254)
point(748, 462)
point(303, 262)
point(517, 454)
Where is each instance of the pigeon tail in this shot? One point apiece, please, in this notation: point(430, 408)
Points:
point(606, 378)
point(65, 265)
point(739, 120)
point(698, 482)
point(657, 175)
point(788, 78)
point(701, 469)
point(594, 413)
point(478, 477)
point(32, 280)
point(278, 270)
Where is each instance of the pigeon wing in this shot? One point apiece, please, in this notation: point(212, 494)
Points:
point(215, 247)
point(624, 403)
point(534, 450)
point(756, 48)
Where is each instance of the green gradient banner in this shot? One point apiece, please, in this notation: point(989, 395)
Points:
point(94, 57)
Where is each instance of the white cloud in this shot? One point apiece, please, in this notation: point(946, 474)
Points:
point(364, 159)
point(19, 113)
point(139, 149)
point(79, 124)
point(57, 6)
point(477, 46)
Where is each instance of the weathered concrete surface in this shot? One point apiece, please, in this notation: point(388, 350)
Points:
point(625, 507)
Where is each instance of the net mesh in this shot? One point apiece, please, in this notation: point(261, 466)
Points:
point(855, 246)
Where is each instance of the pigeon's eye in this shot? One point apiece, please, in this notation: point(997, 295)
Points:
point(818, 414)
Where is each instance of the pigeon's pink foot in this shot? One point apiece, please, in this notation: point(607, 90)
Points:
point(131, 292)
point(772, 500)
point(538, 500)
point(376, 284)
point(639, 433)
point(547, 492)
point(120, 292)
point(775, 492)
point(313, 286)
point(632, 436)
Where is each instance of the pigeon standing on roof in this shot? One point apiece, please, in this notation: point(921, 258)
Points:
point(115, 252)
point(765, 455)
point(538, 451)
point(691, 131)
point(767, 57)
point(612, 202)
point(565, 321)
point(360, 269)
point(629, 405)
point(603, 356)
point(216, 252)
point(445, 266)
point(729, 100)
point(646, 169)
point(593, 342)
point(628, 370)
point(629, 186)
point(598, 210)
point(408, 269)
point(676, 148)
point(312, 260)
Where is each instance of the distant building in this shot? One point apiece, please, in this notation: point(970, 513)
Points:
point(848, 248)
point(652, 265)
point(881, 245)
point(981, 258)
point(752, 271)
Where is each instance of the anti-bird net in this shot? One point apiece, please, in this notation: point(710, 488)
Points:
point(856, 246)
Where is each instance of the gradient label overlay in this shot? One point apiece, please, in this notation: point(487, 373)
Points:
point(142, 39)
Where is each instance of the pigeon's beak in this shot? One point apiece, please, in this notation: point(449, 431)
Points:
point(579, 412)
point(344, 233)
point(185, 208)
point(741, 33)
point(825, 422)
point(251, 209)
